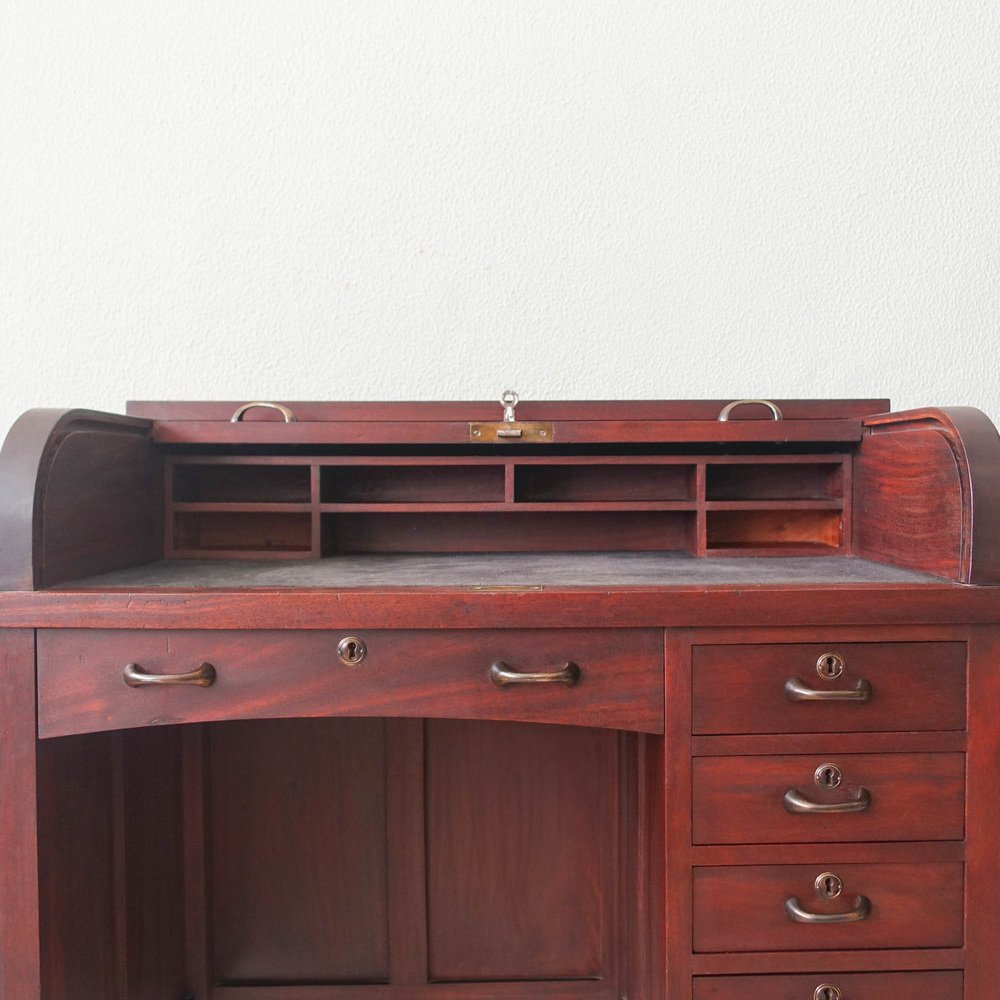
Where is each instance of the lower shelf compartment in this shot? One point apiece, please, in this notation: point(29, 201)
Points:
point(313, 859)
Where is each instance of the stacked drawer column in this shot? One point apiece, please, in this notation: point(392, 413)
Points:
point(826, 843)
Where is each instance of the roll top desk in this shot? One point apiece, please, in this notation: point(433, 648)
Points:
point(566, 701)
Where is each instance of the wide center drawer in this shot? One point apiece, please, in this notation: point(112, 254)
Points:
point(592, 677)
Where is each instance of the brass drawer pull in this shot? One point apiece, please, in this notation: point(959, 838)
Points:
point(135, 676)
point(502, 675)
point(285, 412)
point(795, 690)
point(776, 414)
point(796, 803)
point(795, 911)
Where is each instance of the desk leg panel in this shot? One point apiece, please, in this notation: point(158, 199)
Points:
point(20, 973)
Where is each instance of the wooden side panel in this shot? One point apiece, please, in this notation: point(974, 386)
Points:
point(102, 506)
point(908, 502)
point(521, 851)
point(81, 494)
point(76, 856)
point(19, 954)
point(297, 844)
point(983, 824)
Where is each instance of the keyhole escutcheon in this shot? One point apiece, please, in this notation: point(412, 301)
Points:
point(828, 776)
point(827, 992)
point(830, 666)
point(351, 650)
point(828, 885)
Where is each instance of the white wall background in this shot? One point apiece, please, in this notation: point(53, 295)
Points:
point(440, 198)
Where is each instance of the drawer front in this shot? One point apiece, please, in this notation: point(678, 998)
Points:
point(745, 908)
point(855, 986)
point(618, 676)
point(787, 688)
point(829, 797)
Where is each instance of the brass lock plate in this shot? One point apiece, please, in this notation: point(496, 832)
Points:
point(828, 885)
point(828, 776)
point(830, 666)
point(511, 432)
point(352, 650)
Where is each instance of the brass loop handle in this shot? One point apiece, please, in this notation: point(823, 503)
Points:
point(502, 675)
point(796, 803)
point(237, 417)
point(729, 407)
point(795, 690)
point(795, 911)
point(135, 676)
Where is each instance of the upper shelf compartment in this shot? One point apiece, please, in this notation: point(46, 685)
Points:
point(800, 478)
point(280, 507)
point(87, 493)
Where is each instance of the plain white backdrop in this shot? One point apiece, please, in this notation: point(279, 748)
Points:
point(441, 198)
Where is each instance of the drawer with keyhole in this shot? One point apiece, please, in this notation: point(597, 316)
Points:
point(97, 679)
point(832, 986)
point(828, 797)
point(822, 907)
point(829, 687)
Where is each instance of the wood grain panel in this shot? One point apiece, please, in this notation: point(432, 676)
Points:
point(872, 986)
point(151, 856)
point(908, 502)
point(984, 812)
point(741, 908)
point(913, 797)
point(297, 851)
point(521, 851)
point(19, 943)
point(102, 505)
point(76, 867)
point(516, 531)
point(270, 674)
point(529, 409)
point(915, 686)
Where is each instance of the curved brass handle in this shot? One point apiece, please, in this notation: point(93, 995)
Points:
point(862, 911)
point(502, 675)
point(729, 407)
point(135, 676)
point(795, 690)
point(796, 803)
point(237, 417)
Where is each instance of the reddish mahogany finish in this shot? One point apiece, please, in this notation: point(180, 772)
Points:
point(409, 673)
point(743, 688)
point(403, 828)
point(876, 986)
point(907, 796)
point(742, 907)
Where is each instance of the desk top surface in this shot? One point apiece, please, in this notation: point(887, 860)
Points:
point(504, 571)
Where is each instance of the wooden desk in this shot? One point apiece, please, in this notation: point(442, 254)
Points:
point(380, 704)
